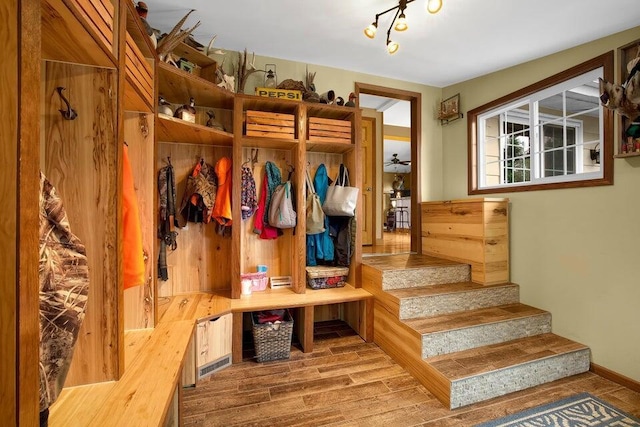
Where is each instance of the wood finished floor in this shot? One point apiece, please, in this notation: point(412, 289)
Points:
point(347, 382)
point(393, 242)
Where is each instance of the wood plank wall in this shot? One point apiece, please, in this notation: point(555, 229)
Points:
point(138, 131)
point(9, 123)
point(473, 231)
point(276, 254)
point(202, 260)
point(81, 162)
point(19, 86)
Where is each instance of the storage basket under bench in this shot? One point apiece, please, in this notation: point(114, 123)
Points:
point(272, 340)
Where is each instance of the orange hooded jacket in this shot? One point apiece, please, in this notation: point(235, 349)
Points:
point(132, 253)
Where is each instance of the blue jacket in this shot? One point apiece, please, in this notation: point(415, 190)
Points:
point(320, 246)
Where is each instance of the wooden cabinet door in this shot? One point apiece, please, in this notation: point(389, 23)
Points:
point(213, 339)
point(368, 145)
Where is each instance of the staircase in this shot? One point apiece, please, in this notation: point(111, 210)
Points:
point(464, 341)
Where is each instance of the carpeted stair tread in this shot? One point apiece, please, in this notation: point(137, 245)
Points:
point(471, 318)
point(443, 289)
point(477, 361)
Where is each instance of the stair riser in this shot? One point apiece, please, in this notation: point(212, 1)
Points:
point(486, 334)
point(435, 305)
point(416, 277)
point(498, 383)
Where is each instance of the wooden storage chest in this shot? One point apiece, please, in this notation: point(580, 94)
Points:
point(329, 130)
point(473, 231)
point(269, 125)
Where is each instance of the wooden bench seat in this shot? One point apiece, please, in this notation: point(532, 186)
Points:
point(286, 298)
point(154, 357)
point(143, 396)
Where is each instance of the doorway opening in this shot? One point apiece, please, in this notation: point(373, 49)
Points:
point(391, 173)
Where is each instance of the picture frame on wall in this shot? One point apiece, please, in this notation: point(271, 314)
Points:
point(449, 109)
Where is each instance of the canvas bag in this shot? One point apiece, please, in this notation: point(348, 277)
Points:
point(281, 213)
point(315, 214)
point(341, 198)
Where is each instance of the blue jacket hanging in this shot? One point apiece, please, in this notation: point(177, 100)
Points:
point(320, 246)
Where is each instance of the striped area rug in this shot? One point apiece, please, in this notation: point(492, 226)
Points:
point(581, 410)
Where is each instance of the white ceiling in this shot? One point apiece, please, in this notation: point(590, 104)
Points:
point(402, 149)
point(466, 39)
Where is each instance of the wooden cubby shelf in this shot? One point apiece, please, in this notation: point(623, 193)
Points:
point(177, 86)
point(269, 143)
point(140, 56)
point(171, 129)
point(273, 105)
point(136, 31)
point(147, 339)
point(329, 147)
point(67, 37)
point(324, 111)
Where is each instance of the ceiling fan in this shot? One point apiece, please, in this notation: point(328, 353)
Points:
point(396, 161)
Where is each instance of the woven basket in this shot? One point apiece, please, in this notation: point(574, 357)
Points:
point(321, 277)
point(272, 341)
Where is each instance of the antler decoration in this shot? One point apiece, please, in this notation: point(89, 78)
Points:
point(226, 81)
point(310, 94)
point(245, 70)
point(173, 39)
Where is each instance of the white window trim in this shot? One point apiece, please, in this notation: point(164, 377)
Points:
point(532, 102)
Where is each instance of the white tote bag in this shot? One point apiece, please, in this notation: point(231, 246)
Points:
point(341, 199)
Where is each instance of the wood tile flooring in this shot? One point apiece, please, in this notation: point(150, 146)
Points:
point(393, 242)
point(406, 261)
point(347, 382)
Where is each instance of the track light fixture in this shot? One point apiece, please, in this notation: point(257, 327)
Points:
point(434, 6)
point(399, 22)
point(392, 47)
point(371, 30)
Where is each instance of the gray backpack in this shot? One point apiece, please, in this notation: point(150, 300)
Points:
point(281, 212)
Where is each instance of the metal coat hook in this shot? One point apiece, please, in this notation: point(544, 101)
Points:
point(69, 113)
point(254, 157)
point(291, 169)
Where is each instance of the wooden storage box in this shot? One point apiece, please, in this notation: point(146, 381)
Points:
point(473, 231)
point(329, 130)
point(322, 277)
point(269, 125)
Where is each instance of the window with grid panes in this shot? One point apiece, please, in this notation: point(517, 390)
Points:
point(543, 136)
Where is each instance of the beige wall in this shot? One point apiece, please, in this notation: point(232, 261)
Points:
point(574, 252)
